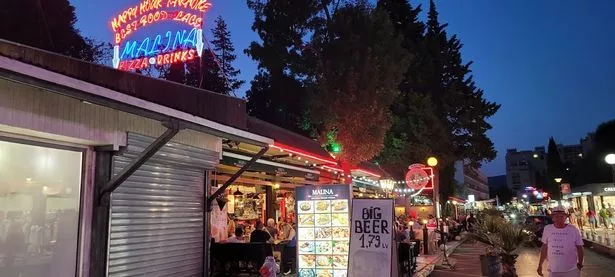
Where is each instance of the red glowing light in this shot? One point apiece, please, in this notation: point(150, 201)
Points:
point(151, 11)
point(295, 151)
point(367, 173)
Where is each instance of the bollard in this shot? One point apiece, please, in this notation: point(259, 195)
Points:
point(600, 239)
point(593, 237)
point(425, 240)
point(608, 241)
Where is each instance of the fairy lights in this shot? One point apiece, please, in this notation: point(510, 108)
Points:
point(169, 47)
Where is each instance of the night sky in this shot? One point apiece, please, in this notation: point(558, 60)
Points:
point(551, 64)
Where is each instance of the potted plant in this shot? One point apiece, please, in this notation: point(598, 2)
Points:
point(502, 240)
point(485, 231)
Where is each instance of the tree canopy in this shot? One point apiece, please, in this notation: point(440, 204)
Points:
point(49, 25)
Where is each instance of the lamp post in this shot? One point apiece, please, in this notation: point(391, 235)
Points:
point(387, 185)
point(558, 180)
point(433, 162)
point(610, 159)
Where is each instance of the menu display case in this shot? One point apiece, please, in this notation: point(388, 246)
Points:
point(323, 230)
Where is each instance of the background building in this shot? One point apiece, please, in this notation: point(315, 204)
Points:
point(528, 168)
point(470, 181)
point(525, 168)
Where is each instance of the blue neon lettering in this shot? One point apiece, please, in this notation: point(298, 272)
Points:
point(168, 36)
point(129, 49)
point(179, 38)
point(159, 44)
point(156, 45)
point(143, 48)
point(190, 38)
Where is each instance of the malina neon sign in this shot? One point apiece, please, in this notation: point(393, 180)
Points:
point(169, 47)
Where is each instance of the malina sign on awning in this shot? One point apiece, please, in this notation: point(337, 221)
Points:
point(182, 43)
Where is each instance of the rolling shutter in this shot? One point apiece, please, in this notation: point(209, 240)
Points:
point(156, 224)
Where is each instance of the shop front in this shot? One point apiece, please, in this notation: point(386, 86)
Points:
point(103, 178)
point(40, 195)
point(593, 196)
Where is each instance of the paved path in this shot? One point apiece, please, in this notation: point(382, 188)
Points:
point(468, 263)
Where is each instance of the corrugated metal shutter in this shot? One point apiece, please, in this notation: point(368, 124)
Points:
point(156, 225)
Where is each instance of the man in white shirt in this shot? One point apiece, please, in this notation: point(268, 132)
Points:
point(562, 246)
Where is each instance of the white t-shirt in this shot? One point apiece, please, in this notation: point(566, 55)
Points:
point(562, 247)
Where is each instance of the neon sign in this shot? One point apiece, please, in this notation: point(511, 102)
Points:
point(169, 47)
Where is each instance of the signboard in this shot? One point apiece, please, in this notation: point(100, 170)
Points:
point(173, 45)
point(371, 242)
point(323, 231)
point(419, 177)
point(271, 168)
point(565, 188)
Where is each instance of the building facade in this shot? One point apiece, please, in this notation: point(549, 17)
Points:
point(471, 181)
point(525, 168)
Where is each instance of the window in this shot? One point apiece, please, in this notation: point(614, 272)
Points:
point(39, 210)
point(516, 178)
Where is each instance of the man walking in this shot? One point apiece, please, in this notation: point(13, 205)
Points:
point(562, 246)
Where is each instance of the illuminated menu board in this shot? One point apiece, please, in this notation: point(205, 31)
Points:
point(323, 230)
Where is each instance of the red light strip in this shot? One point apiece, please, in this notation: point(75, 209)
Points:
point(297, 152)
point(367, 172)
point(332, 168)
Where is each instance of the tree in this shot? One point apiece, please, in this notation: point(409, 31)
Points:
point(555, 169)
point(593, 168)
point(214, 70)
point(457, 105)
point(360, 64)
point(224, 75)
point(49, 25)
point(279, 92)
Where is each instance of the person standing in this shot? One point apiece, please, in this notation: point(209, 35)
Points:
point(562, 246)
point(611, 211)
point(591, 217)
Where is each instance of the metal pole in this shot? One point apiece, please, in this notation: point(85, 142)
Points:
point(206, 226)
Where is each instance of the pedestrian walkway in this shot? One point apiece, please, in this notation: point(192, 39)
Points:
point(467, 259)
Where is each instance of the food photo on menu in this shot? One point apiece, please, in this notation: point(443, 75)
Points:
point(341, 246)
point(324, 273)
point(323, 220)
point(340, 261)
point(339, 205)
point(340, 233)
point(322, 233)
point(305, 207)
point(324, 247)
point(306, 234)
point(306, 220)
point(340, 273)
point(308, 261)
point(308, 272)
point(307, 247)
point(324, 261)
point(339, 219)
point(323, 206)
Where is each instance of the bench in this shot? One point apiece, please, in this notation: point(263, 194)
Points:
point(240, 257)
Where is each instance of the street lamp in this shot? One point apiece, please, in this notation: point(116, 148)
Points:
point(432, 161)
point(558, 180)
point(387, 185)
